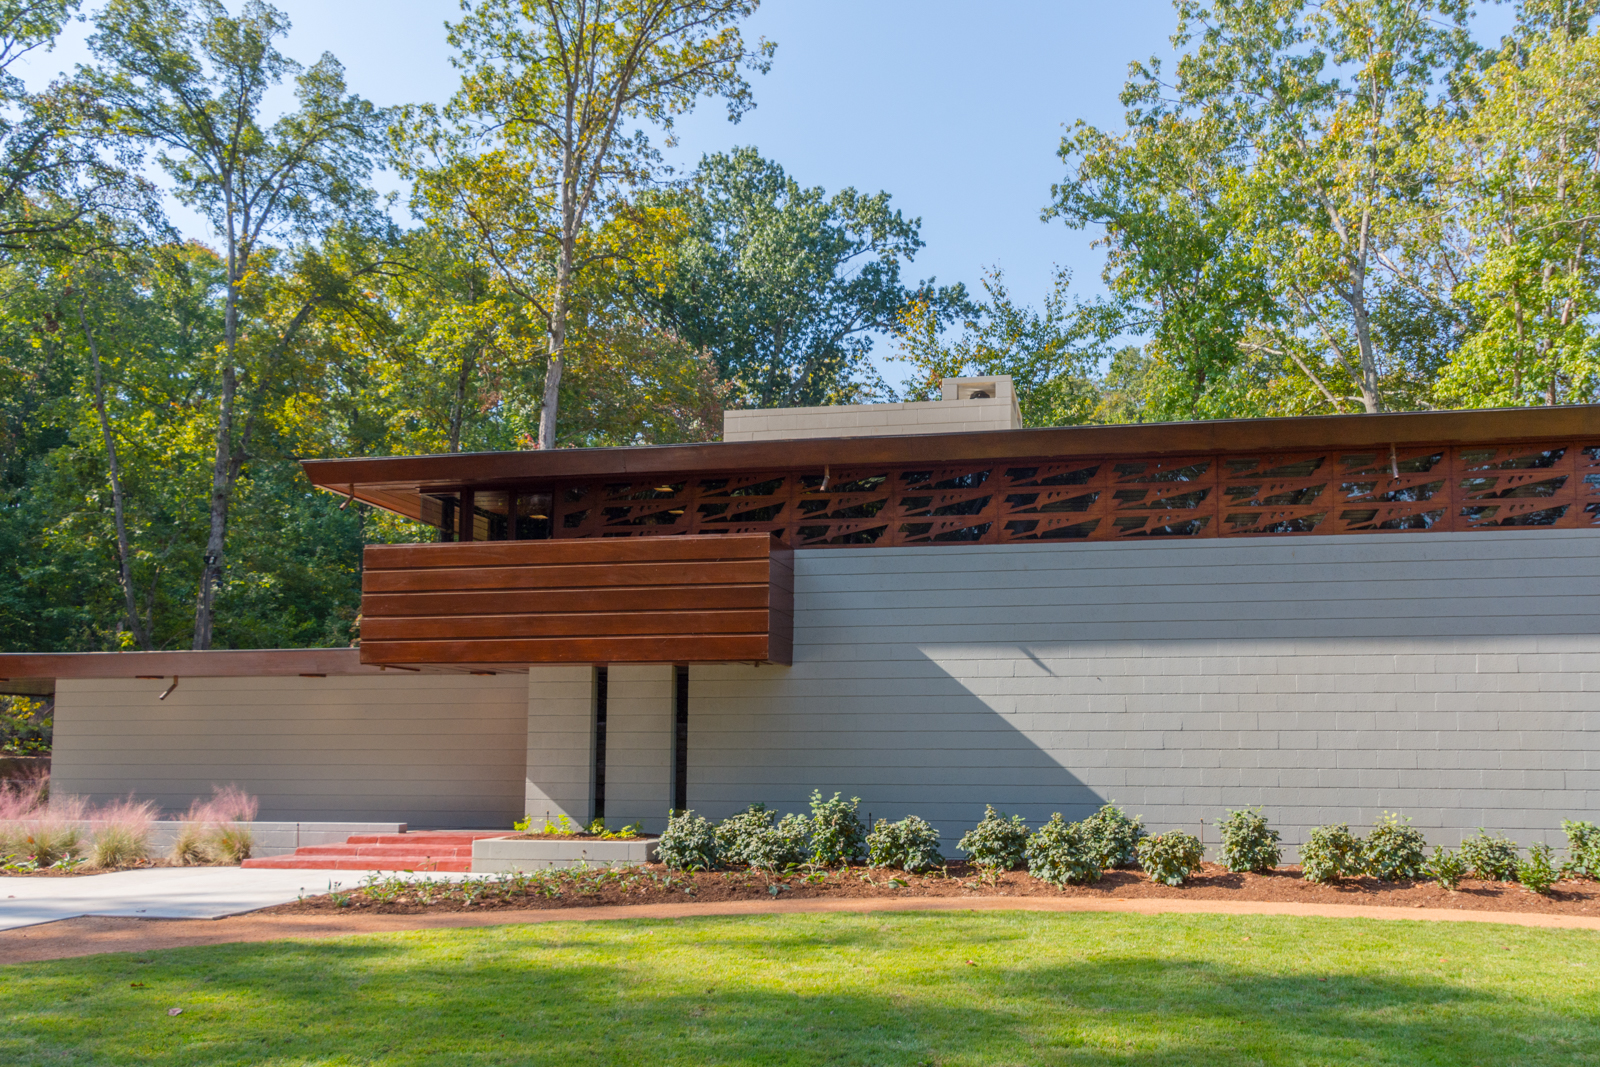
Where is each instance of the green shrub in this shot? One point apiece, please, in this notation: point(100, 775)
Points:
point(1063, 853)
point(1583, 849)
point(689, 843)
point(1171, 858)
point(909, 844)
point(121, 834)
point(837, 836)
point(998, 843)
point(1538, 872)
point(1248, 844)
point(758, 841)
point(1447, 868)
point(1492, 858)
point(1330, 853)
point(738, 832)
point(1395, 851)
point(1116, 837)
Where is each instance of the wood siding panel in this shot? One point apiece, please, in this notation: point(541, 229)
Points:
point(684, 600)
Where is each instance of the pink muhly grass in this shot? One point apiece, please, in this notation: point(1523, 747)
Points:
point(54, 831)
point(121, 832)
point(213, 829)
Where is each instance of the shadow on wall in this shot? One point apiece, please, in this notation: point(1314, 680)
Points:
point(919, 743)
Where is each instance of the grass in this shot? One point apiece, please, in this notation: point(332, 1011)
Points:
point(834, 989)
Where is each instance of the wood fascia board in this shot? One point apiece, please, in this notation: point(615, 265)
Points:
point(404, 475)
point(216, 663)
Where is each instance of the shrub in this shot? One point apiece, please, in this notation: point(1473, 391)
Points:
point(232, 842)
point(1116, 837)
point(1171, 858)
point(997, 843)
point(1538, 872)
point(910, 844)
point(1583, 848)
point(1395, 851)
point(734, 832)
point(837, 836)
point(1447, 868)
point(191, 848)
point(1248, 844)
point(121, 833)
point(1492, 858)
point(689, 843)
point(1063, 853)
point(1330, 853)
point(751, 837)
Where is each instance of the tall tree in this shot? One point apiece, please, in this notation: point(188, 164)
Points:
point(785, 285)
point(187, 76)
point(1051, 355)
point(1525, 212)
point(544, 138)
point(1311, 118)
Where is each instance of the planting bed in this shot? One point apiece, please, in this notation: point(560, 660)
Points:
point(654, 884)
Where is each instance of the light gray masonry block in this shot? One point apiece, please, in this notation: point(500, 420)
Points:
point(497, 855)
point(560, 766)
point(1326, 679)
point(639, 745)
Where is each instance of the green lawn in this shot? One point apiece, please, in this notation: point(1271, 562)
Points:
point(835, 989)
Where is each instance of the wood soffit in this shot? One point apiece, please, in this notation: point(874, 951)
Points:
point(391, 482)
point(216, 663)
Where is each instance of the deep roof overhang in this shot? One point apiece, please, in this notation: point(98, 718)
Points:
point(395, 482)
point(35, 673)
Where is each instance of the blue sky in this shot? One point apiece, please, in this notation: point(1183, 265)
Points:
point(956, 109)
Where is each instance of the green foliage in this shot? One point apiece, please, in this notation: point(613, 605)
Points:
point(1050, 355)
point(26, 725)
point(783, 285)
point(1171, 858)
point(837, 835)
point(1331, 853)
point(689, 843)
point(1538, 872)
point(997, 843)
point(910, 844)
point(1115, 836)
point(1395, 851)
point(1248, 844)
point(1583, 848)
point(1063, 853)
point(1493, 858)
point(753, 837)
point(1447, 868)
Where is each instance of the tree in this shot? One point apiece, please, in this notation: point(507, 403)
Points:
point(1291, 144)
point(1050, 356)
point(1525, 169)
point(784, 285)
point(536, 146)
point(190, 78)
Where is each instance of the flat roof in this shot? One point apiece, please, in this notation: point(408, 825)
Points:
point(396, 482)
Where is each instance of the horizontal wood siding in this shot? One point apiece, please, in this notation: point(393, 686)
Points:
point(683, 600)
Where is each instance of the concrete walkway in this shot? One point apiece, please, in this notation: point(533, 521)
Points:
point(165, 893)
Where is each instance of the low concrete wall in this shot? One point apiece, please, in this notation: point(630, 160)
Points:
point(282, 838)
point(498, 855)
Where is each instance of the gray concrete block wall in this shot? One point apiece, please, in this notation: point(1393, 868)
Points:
point(639, 745)
point(1454, 678)
point(560, 761)
point(431, 750)
point(871, 420)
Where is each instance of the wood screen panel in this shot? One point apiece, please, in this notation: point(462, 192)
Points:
point(713, 599)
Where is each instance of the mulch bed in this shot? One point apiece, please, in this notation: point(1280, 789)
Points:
point(576, 837)
point(653, 884)
point(84, 869)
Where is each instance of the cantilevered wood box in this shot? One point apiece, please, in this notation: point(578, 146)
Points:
point(690, 599)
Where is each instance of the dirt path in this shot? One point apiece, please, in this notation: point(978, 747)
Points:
point(89, 936)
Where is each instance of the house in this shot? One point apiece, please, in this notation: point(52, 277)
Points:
point(931, 608)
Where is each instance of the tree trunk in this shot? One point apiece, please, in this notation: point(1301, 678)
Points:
point(124, 550)
point(221, 474)
point(1370, 398)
